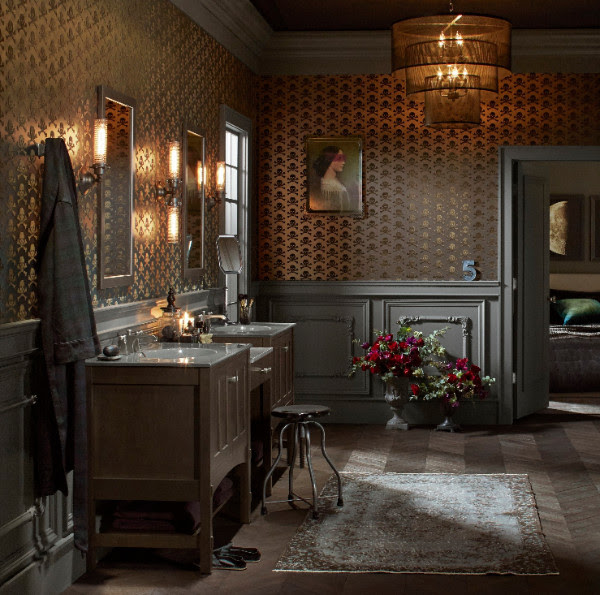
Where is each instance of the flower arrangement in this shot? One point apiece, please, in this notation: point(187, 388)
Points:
point(402, 355)
point(407, 353)
point(457, 381)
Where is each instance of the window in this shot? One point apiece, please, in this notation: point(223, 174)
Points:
point(235, 143)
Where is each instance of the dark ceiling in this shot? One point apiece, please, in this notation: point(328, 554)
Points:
point(370, 15)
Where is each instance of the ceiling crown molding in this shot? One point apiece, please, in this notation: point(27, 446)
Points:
point(240, 28)
point(369, 52)
point(235, 24)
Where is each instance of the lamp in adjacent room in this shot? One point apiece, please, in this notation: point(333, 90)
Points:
point(452, 62)
point(100, 150)
point(220, 193)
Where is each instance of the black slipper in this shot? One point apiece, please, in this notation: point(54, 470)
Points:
point(228, 562)
point(248, 554)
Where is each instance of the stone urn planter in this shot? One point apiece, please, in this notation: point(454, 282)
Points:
point(396, 396)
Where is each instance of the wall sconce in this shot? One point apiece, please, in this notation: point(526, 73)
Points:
point(173, 181)
point(99, 166)
point(172, 192)
point(212, 201)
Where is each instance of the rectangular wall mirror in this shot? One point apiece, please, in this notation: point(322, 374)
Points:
point(193, 203)
point(115, 218)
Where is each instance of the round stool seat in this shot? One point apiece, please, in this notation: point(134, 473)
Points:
point(300, 412)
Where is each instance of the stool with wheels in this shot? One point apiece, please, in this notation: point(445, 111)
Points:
point(300, 418)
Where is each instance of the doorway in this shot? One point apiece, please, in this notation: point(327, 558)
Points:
point(516, 294)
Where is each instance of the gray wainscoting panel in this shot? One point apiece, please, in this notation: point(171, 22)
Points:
point(324, 343)
point(329, 313)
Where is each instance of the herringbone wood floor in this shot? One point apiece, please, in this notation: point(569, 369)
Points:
point(559, 450)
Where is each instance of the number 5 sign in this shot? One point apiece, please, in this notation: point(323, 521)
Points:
point(469, 270)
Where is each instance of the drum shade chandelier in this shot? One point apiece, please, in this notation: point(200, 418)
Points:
point(452, 62)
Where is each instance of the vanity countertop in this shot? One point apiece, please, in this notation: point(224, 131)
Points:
point(257, 353)
point(174, 354)
point(256, 329)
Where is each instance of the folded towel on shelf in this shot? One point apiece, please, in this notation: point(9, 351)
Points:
point(182, 517)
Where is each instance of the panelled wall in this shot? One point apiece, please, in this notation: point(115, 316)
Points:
point(333, 318)
point(53, 55)
point(431, 200)
point(431, 197)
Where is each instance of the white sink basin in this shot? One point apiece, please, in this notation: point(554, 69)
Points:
point(176, 353)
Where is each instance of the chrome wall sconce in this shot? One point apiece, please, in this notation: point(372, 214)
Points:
point(171, 192)
point(219, 195)
point(88, 179)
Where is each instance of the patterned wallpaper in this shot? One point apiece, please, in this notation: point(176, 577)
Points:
point(53, 54)
point(430, 196)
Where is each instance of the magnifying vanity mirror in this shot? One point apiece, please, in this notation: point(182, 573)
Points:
point(229, 253)
point(193, 203)
point(115, 218)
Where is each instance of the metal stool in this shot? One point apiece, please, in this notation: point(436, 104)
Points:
point(300, 417)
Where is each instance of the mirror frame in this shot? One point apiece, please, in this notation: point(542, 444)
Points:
point(192, 272)
point(105, 281)
point(220, 257)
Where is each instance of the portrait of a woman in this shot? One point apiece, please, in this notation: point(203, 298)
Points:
point(334, 176)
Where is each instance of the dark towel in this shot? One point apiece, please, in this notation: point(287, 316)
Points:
point(69, 336)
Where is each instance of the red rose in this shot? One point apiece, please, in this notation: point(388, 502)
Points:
point(452, 378)
point(415, 389)
point(420, 342)
point(475, 369)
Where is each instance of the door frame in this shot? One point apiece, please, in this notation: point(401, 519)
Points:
point(507, 216)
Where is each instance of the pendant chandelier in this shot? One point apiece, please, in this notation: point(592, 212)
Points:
point(452, 62)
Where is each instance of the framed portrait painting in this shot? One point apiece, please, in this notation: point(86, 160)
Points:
point(334, 172)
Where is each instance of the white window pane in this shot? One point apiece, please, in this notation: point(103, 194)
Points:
point(232, 156)
point(231, 218)
point(227, 147)
point(232, 184)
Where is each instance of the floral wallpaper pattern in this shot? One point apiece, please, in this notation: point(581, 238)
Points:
point(431, 196)
point(54, 53)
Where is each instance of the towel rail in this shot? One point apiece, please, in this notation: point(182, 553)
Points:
point(23, 403)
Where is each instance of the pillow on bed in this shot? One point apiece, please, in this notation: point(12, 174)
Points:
point(578, 311)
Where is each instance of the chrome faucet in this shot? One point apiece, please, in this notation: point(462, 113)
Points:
point(206, 318)
point(130, 341)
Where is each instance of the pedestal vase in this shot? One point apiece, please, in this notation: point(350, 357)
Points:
point(396, 396)
point(448, 425)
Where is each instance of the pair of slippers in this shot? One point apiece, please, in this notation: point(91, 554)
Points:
point(230, 557)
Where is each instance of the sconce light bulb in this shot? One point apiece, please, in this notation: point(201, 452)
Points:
point(173, 224)
point(100, 140)
point(174, 159)
point(221, 176)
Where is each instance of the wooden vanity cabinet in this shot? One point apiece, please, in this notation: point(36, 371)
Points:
point(168, 433)
point(281, 390)
point(282, 382)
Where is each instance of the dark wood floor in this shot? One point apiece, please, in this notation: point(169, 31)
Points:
point(558, 449)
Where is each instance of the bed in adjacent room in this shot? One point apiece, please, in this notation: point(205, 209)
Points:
point(574, 356)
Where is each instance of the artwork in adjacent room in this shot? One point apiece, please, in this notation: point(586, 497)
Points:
point(334, 172)
point(567, 227)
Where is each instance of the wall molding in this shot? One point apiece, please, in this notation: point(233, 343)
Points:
point(240, 28)
point(235, 24)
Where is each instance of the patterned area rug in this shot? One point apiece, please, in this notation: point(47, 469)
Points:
point(423, 523)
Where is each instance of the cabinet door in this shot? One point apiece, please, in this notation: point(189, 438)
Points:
point(283, 380)
point(229, 417)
